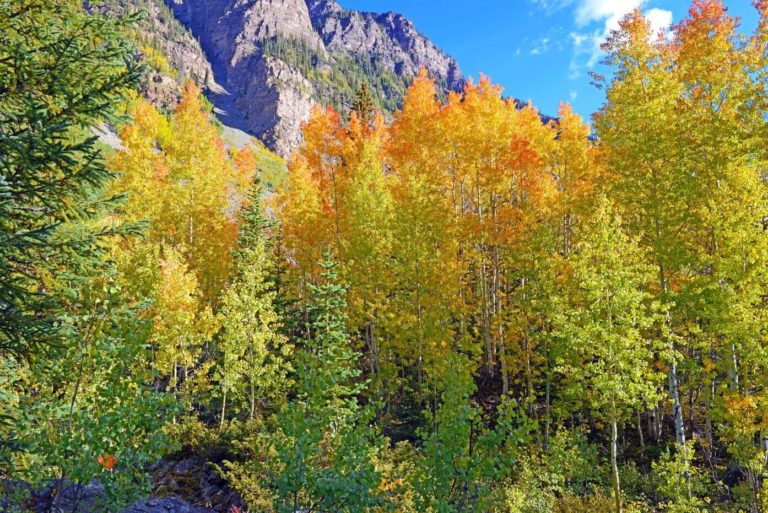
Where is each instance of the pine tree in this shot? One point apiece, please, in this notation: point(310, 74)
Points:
point(325, 444)
point(72, 348)
point(328, 365)
point(461, 457)
point(254, 226)
point(363, 105)
point(62, 71)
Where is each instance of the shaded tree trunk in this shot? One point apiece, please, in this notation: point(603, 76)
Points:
point(614, 458)
point(223, 411)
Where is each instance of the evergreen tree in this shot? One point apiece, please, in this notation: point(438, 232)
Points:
point(325, 445)
point(255, 227)
point(363, 105)
point(461, 456)
point(72, 347)
point(62, 71)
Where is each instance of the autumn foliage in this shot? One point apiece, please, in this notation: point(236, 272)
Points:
point(466, 306)
point(472, 227)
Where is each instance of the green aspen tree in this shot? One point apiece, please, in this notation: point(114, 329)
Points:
point(255, 355)
point(610, 361)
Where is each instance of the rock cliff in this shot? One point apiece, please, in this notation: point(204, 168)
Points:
point(390, 39)
point(273, 60)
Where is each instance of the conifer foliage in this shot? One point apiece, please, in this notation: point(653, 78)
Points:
point(324, 443)
point(73, 398)
point(255, 352)
point(62, 72)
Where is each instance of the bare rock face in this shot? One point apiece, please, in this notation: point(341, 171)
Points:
point(189, 483)
point(178, 45)
point(233, 30)
point(183, 486)
point(273, 60)
point(390, 39)
point(275, 102)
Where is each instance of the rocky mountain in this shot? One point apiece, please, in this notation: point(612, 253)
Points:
point(391, 39)
point(266, 63)
point(170, 51)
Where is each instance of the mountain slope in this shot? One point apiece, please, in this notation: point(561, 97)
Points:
point(172, 54)
point(275, 59)
point(390, 39)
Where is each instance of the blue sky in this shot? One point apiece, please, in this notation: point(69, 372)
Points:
point(536, 49)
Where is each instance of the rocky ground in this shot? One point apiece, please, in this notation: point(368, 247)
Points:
point(184, 486)
point(195, 481)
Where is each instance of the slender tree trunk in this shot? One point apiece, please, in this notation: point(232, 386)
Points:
point(503, 359)
point(754, 481)
point(223, 411)
point(253, 402)
point(674, 392)
point(89, 334)
point(679, 426)
point(659, 420)
point(486, 320)
point(175, 374)
point(674, 385)
point(547, 397)
point(529, 378)
point(764, 446)
point(175, 382)
point(709, 434)
point(674, 388)
point(614, 458)
point(336, 212)
point(651, 423)
point(420, 367)
point(733, 372)
point(677, 408)
point(375, 358)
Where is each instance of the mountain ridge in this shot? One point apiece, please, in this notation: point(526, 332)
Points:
point(266, 63)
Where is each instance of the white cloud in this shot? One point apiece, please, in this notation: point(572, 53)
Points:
point(579, 39)
point(551, 6)
point(586, 51)
point(607, 13)
point(661, 20)
point(610, 11)
point(594, 21)
point(542, 46)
